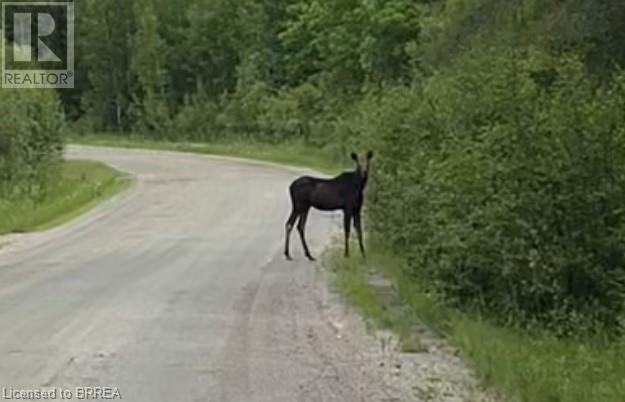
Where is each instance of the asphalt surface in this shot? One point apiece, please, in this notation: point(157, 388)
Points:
point(173, 291)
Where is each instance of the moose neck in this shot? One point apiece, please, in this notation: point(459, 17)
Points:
point(361, 177)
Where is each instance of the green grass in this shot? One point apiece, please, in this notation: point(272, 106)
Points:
point(395, 305)
point(542, 368)
point(292, 154)
point(82, 185)
point(518, 365)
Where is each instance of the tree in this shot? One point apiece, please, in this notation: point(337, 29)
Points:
point(104, 43)
point(148, 65)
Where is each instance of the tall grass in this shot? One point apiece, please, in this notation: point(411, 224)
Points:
point(529, 367)
point(80, 186)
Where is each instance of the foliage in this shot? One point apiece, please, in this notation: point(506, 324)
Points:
point(30, 141)
point(509, 193)
point(149, 67)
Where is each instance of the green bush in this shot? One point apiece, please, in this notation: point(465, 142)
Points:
point(195, 121)
point(507, 190)
point(259, 113)
point(30, 141)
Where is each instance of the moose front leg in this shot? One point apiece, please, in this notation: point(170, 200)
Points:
point(358, 227)
point(347, 222)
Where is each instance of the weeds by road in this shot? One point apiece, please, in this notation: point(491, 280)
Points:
point(518, 365)
point(82, 184)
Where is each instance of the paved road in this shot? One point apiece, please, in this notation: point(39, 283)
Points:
point(177, 291)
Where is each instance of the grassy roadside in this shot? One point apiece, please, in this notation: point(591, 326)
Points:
point(516, 364)
point(82, 185)
point(292, 154)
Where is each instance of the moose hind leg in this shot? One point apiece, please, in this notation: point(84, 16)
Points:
point(301, 228)
point(290, 223)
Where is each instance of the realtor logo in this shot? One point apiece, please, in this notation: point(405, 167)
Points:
point(38, 45)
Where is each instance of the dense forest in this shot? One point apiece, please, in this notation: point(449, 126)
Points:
point(497, 126)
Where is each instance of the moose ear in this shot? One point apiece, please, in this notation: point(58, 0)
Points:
point(369, 155)
point(354, 157)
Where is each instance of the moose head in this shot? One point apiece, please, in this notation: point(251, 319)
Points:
point(363, 166)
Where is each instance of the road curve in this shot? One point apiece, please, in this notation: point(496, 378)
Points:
point(177, 291)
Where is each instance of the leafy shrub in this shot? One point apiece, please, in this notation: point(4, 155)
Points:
point(30, 141)
point(195, 121)
point(262, 114)
point(506, 191)
point(241, 111)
